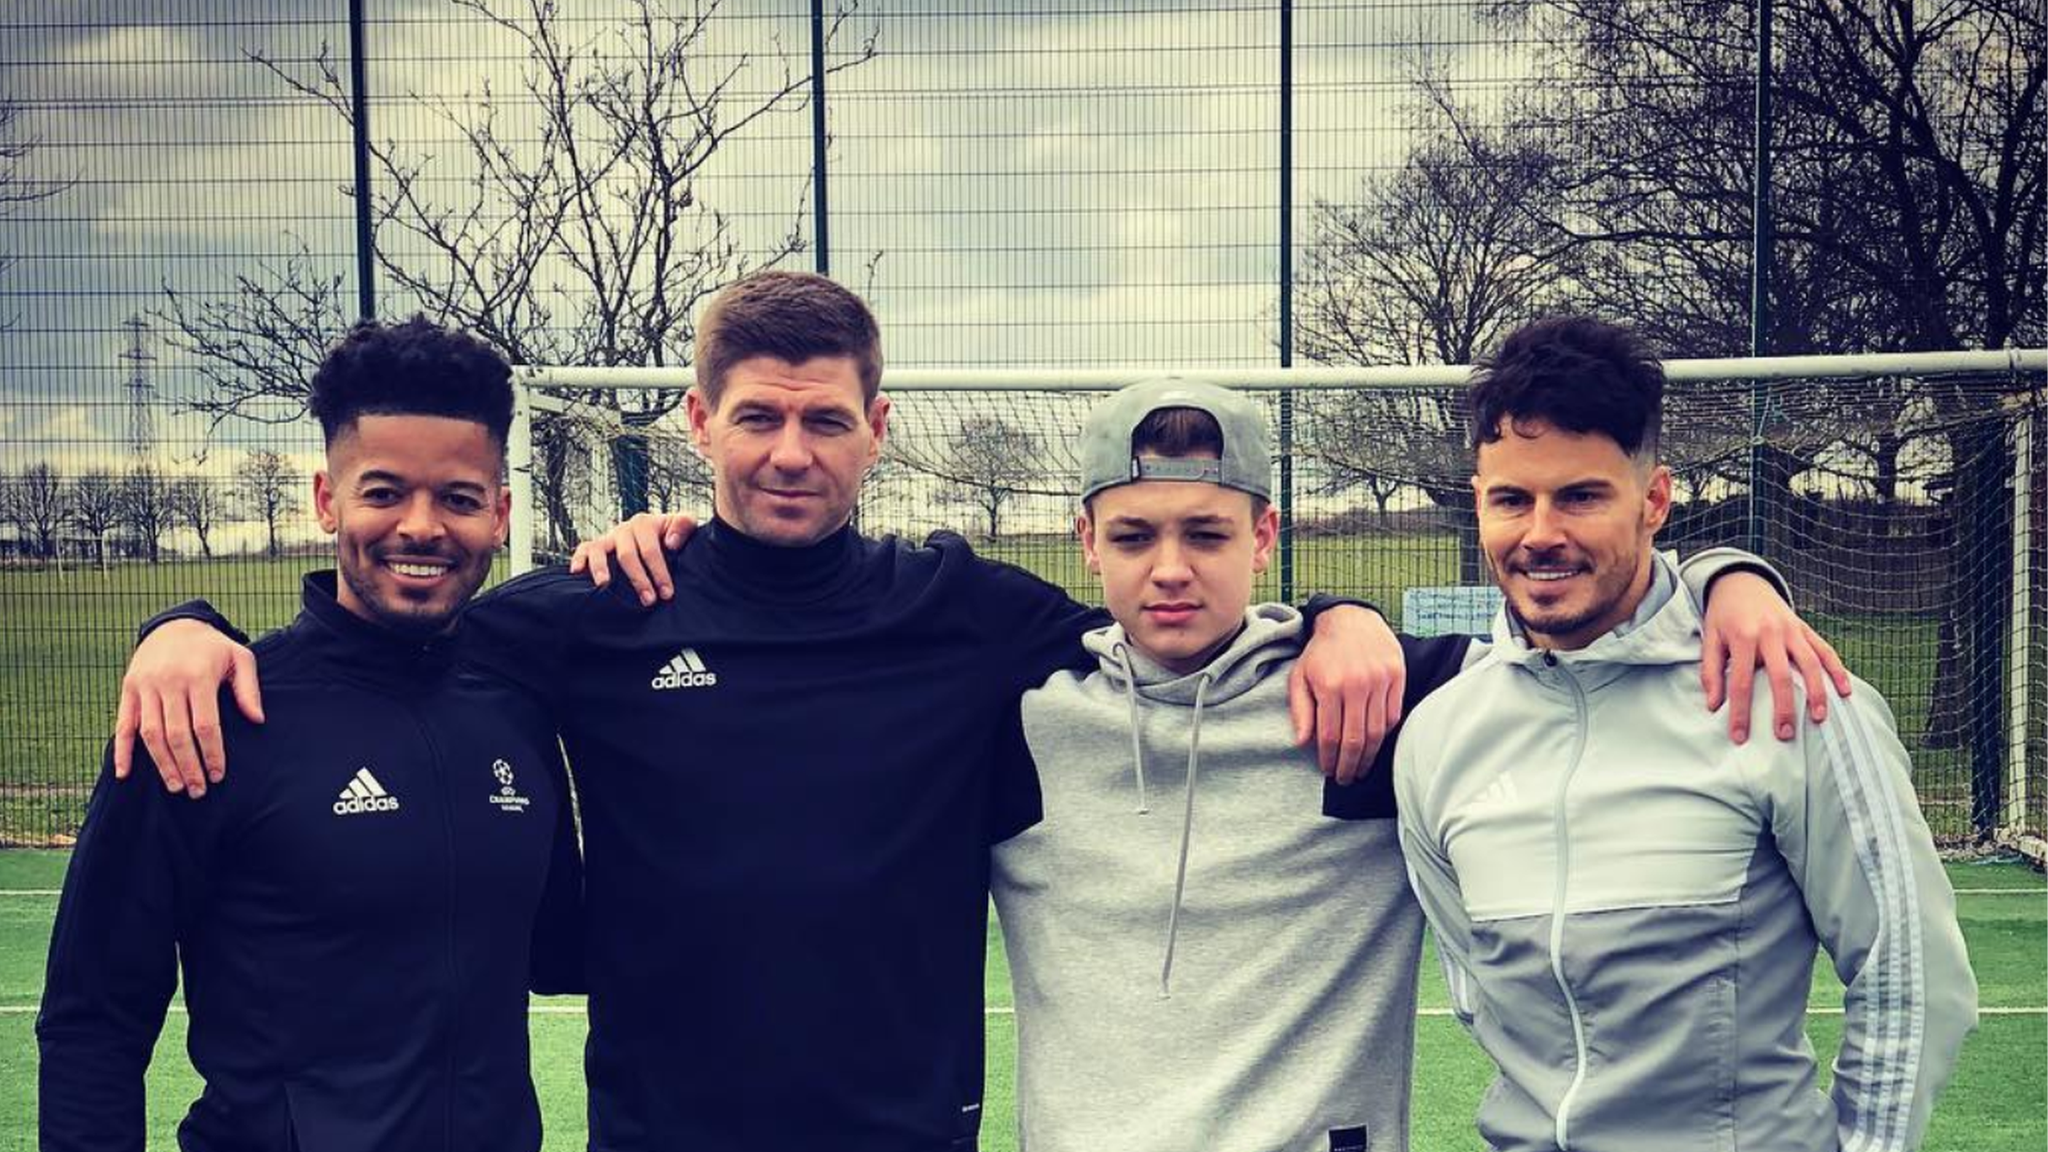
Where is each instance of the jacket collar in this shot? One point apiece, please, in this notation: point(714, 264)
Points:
point(363, 647)
point(792, 575)
point(1659, 634)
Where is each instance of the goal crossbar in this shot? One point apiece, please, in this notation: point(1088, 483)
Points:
point(2003, 361)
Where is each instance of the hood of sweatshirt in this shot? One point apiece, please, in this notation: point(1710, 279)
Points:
point(1269, 637)
point(1270, 634)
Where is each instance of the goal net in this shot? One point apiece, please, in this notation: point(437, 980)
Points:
point(1902, 496)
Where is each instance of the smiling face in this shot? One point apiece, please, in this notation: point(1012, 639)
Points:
point(416, 509)
point(1177, 561)
point(789, 445)
point(1567, 522)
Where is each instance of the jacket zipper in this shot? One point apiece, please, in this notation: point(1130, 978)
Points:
point(446, 805)
point(1561, 831)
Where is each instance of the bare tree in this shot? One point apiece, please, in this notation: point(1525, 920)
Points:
point(145, 508)
point(269, 486)
point(198, 503)
point(96, 508)
point(37, 503)
point(567, 226)
point(1436, 260)
point(17, 188)
point(257, 350)
point(1908, 192)
point(678, 480)
point(989, 461)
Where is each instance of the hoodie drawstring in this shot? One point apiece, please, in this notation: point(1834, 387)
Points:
point(1123, 658)
point(1187, 832)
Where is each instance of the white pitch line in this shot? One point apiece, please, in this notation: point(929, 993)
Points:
point(2002, 891)
point(2043, 892)
point(1431, 1013)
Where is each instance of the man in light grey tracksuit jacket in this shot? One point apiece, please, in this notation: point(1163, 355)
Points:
point(1211, 947)
point(1627, 905)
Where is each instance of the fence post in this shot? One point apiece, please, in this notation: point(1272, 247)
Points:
point(359, 105)
point(821, 226)
point(1762, 242)
point(1287, 298)
point(2026, 481)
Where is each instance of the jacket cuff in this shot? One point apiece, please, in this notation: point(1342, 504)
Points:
point(198, 610)
point(1322, 602)
point(1699, 572)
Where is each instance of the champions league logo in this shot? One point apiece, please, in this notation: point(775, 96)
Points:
point(508, 798)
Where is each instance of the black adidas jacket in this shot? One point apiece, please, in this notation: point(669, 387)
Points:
point(354, 906)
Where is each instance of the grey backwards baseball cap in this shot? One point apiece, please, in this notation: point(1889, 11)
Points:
point(1107, 459)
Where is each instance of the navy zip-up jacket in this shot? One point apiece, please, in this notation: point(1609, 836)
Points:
point(355, 909)
point(790, 775)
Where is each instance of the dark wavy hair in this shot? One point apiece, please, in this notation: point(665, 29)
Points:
point(412, 368)
point(1576, 374)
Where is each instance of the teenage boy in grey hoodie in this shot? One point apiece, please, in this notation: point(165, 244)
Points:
point(1211, 947)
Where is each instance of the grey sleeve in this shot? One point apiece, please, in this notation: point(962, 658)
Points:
point(1882, 907)
point(1435, 882)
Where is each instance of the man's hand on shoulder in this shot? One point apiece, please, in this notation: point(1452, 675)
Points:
point(170, 697)
point(638, 547)
point(1747, 625)
point(1345, 691)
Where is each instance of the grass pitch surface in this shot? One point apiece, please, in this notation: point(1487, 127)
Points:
point(1998, 1101)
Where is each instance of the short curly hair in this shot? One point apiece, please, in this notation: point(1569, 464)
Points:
point(412, 368)
point(1576, 374)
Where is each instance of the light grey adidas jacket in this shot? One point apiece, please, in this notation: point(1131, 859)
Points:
point(1264, 998)
point(1628, 904)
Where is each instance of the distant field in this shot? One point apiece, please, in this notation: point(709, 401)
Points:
point(1998, 1101)
point(64, 637)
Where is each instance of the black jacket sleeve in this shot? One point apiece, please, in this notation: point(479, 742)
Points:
point(134, 878)
point(200, 610)
point(1432, 661)
point(526, 628)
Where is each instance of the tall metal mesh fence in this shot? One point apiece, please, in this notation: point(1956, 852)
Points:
point(1214, 183)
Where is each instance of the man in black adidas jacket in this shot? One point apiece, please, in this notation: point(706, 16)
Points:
point(789, 774)
point(360, 911)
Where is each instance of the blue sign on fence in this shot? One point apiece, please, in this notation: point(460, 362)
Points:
point(1452, 610)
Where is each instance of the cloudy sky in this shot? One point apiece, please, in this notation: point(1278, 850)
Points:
point(1062, 183)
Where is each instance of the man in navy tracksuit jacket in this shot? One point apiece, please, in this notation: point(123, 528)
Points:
point(358, 911)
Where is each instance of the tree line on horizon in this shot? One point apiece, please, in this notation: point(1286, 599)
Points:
point(131, 511)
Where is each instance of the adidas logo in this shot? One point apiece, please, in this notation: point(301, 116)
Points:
point(686, 670)
point(364, 794)
point(1501, 791)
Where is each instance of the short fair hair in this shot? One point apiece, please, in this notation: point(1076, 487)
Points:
point(792, 316)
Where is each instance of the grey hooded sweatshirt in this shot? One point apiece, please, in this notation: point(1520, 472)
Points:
point(1202, 958)
point(1628, 905)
